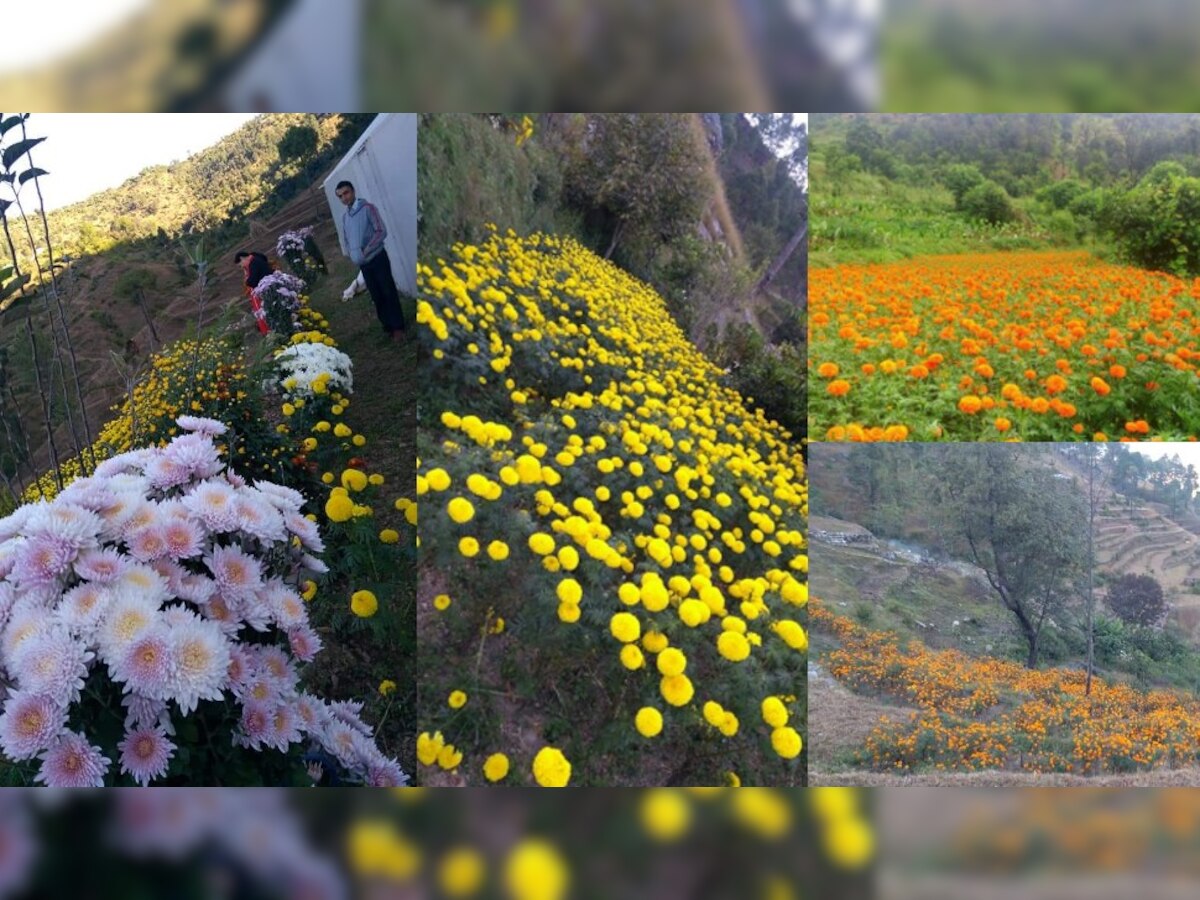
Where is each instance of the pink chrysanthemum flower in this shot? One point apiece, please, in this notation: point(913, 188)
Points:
point(14, 523)
point(202, 660)
point(142, 712)
point(9, 549)
point(90, 493)
point(43, 561)
point(341, 740)
point(147, 543)
point(224, 612)
point(275, 664)
point(196, 454)
point(311, 713)
point(29, 723)
point(255, 723)
point(27, 620)
point(309, 534)
point(384, 772)
point(147, 664)
point(284, 728)
point(165, 473)
point(201, 425)
point(212, 502)
point(83, 606)
point(141, 515)
point(72, 762)
point(241, 667)
point(349, 712)
point(103, 565)
point(139, 580)
point(236, 573)
point(304, 642)
point(146, 754)
point(183, 539)
point(55, 665)
point(196, 588)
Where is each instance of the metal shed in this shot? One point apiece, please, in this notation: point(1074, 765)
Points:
point(382, 166)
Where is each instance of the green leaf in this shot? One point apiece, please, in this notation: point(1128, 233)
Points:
point(31, 173)
point(17, 150)
point(12, 122)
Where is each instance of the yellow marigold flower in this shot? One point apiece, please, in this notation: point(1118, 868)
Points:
point(498, 551)
point(386, 687)
point(551, 768)
point(310, 444)
point(358, 440)
point(541, 543)
point(439, 479)
point(457, 699)
point(655, 642)
point(629, 594)
point(774, 713)
point(569, 591)
point(666, 813)
point(354, 480)
point(786, 742)
point(310, 590)
point(713, 712)
point(363, 604)
point(461, 872)
point(342, 430)
point(671, 662)
point(327, 477)
point(568, 557)
point(733, 646)
point(849, 843)
point(495, 767)
point(625, 627)
point(568, 613)
point(339, 508)
point(289, 409)
point(631, 657)
point(677, 689)
point(535, 870)
point(429, 746)
point(389, 536)
point(461, 510)
point(694, 612)
point(449, 757)
point(648, 721)
point(468, 547)
point(441, 602)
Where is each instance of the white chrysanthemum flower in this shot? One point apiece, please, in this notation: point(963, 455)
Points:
point(54, 664)
point(212, 502)
point(90, 493)
point(9, 548)
point(306, 362)
point(196, 453)
point(82, 608)
point(201, 663)
point(143, 513)
point(147, 543)
point(236, 573)
point(26, 621)
point(258, 517)
point(146, 754)
point(196, 588)
point(284, 499)
point(66, 522)
point(286, 606)
point(201, 425)
point(144, 712)
point(43, 561)
point(30, 723)
point(142, 580)
point(165, 473)
point(14, 523)
point(129, 616)
point(304, 643)
point(284, 728)
point(312, 713)
point(72, 762)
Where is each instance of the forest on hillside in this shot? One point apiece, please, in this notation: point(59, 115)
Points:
point(1125, 182)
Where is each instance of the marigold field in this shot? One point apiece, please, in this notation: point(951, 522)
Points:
point(1047, 346)
point(613, 551)
point(981, 713)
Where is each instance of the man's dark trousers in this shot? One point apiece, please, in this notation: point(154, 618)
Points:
point(377, 274)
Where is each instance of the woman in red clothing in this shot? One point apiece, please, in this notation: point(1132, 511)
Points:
point(256, 267)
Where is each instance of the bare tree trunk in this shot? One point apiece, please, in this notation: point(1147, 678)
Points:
point(781, 260)
point(141, 298)
point(616, 237)
point(1091, 595)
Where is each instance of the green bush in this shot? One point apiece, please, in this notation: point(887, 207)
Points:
point(988, 202)
point(1157, 224)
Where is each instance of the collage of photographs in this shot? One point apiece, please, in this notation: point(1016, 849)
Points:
point(672, 451)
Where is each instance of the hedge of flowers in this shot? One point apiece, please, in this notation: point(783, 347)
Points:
point(612, 544)
point(301, 253)
point(186, 555)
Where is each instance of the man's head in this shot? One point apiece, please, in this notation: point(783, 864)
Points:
point(345, 192)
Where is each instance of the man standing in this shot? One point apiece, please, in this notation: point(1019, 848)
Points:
point(364, 231)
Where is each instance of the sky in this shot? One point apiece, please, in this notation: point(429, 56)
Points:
point(86, 153)
point(1189, 453)
point(60, 26)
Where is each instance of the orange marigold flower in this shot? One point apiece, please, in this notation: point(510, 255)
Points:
point(1099, 437)
point(868, 368)
point(1116, 371)
point(838, 388)
point(918, 372)
point(888, 366)
point(827, 369)
point(1010, 391)
point(1056, 384)
point(1003, 424)
point(1100, 386)
point(836, 433)
point(1040, 405)
point(1030, 375)
point(970, 404)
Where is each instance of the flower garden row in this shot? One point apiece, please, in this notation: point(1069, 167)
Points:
point(612, 544)
point(157, 612)
point(1024, 346)
point(993, 714)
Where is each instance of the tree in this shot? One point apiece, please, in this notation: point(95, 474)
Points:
point(298, 143)
point(961, 178)
point(988, 202)
point(1022, 525)
point(1137, 599)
